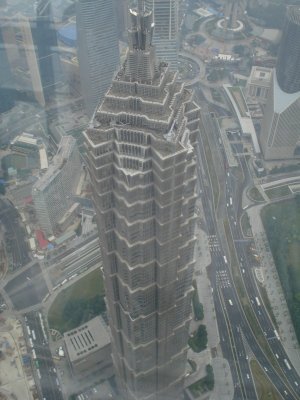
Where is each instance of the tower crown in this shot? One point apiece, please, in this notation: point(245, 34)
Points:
point(141, 60)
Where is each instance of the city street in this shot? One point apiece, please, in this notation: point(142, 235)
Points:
point(231, 319)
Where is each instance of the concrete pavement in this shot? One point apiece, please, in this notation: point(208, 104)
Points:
point(223, 381)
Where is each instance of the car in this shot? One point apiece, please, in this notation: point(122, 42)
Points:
point(296, 383)
point(248, 376)
point(266, 369)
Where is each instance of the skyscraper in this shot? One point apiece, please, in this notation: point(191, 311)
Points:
point(166, 40)
point(6, 80)
point(53, 193)
point(280, 134)
point(98, 49)
point(45, 41)
point(31, 48)
point(142, 166)
point(288, 61)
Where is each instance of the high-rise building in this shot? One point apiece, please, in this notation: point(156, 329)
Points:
point(280, 134)
point(166, 32)
point(233, 9)
point(98, 49)
point(6, 80)
point(53, 193)
point(288, 61)
point(141, 161)
point(31, 48)
point(45, 41)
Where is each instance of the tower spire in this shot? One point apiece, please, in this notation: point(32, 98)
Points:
point(141, 59)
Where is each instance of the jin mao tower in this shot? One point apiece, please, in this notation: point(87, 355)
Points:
point(142, 165)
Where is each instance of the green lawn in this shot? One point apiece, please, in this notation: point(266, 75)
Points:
point(278, 192)
point(282, 224)
point(255, 194)
point(265, 389)
point(78, 303)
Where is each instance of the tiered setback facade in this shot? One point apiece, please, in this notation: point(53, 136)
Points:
point(142, 165)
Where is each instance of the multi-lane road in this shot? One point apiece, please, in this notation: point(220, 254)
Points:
point(238, 341)
point(43, 365)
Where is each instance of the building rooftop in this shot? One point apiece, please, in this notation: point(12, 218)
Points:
point(261, 76)
point(62, 155)
point(87, 338)
point(238, 102)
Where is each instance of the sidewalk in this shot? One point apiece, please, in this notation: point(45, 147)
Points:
point(274, 289)
point(223, 381)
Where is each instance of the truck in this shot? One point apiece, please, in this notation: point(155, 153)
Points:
point(225, 259)
point(33, 334)
point(257, 301)
point(230, 200)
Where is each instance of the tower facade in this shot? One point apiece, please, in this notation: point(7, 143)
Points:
point(29, 33)
point(98, 49)
point(166, 40)
point(280, 134)
point(288, 61)
point(53, 193)
point(142, 166)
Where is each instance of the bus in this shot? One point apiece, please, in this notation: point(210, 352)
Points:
point(33, 334)
point(230, 200)
point(276, 334)
point(245, 207)
point(225, 259)
point(33, 354)
point(257, 301)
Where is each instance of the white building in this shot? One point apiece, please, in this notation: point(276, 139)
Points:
point(259, 84)
point(53, 192)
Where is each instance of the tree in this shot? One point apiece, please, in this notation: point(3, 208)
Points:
point(210, 378)
point(239, 49)
point(201, 337)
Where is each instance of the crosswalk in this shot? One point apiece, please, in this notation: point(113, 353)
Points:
point(213, 242)
point(223, 279)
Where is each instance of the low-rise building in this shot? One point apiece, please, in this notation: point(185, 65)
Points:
point(259, 84)
point(89, 349)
